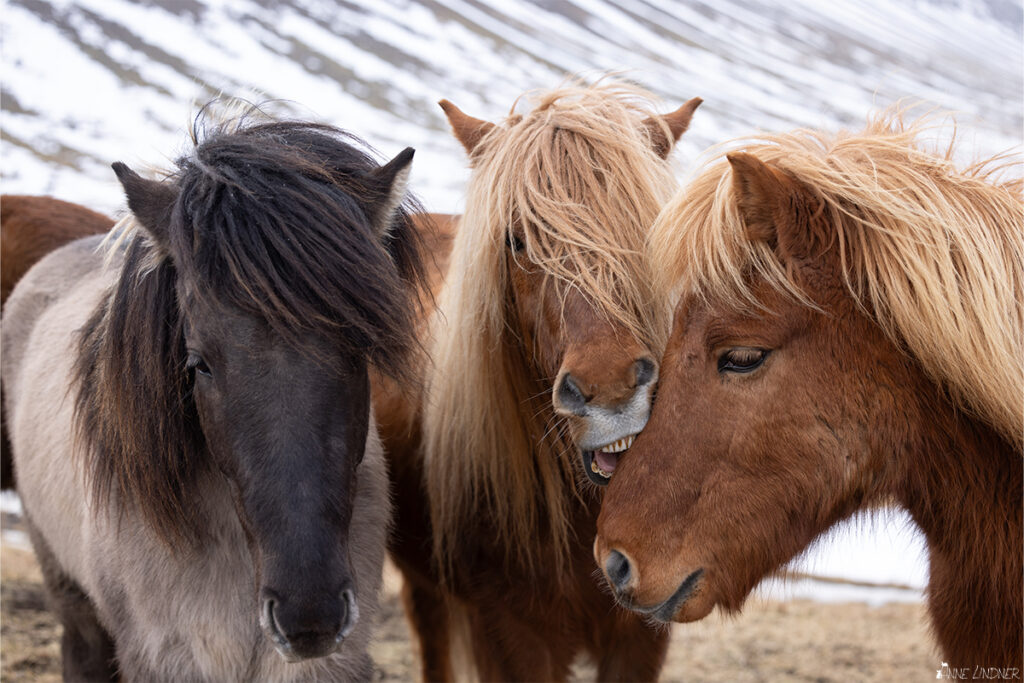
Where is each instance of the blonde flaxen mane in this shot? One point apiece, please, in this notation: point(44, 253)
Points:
point(579, 176)
point(935, 254)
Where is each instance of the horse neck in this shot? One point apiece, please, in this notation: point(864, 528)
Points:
point(962, 484)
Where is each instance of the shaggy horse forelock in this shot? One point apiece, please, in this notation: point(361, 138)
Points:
point(579, 182)
point(249, 225)
point(934, 254)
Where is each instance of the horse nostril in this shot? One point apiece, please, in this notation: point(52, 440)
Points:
point(618, 570)
point(269, 619)
point(570, 396)
point(351, 613)
point(310, 627)
point(645, 369)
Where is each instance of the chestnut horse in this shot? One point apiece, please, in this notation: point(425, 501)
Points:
point(543, 345)
point(190, 416)
point(849, 334)
point(30, 228)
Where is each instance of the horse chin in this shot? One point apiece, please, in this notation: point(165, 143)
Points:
point(695, 608)
point(293, 656)
point(691, 601)
point(286, 653)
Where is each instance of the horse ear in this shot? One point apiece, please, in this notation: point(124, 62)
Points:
point(776, 207)
point(390, 182)
point(150, 200)
point(468, 130)
point(678, 121)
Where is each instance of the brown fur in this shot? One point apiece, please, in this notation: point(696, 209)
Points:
point(546, 278)
point(833, 254)
point(30, 228)
point(577, 183)
point(934, 252)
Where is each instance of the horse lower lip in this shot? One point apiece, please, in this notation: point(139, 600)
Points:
point(592, 474)
point(666, 611)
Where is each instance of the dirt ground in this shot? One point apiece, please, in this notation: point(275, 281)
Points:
point(771, 641)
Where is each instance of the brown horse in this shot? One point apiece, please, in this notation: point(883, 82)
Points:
point(30, 228)
point(542, 345)
point(849, 334)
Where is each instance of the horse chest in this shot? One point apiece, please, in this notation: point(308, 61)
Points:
point(190, 616)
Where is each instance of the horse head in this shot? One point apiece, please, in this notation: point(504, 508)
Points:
point(803, 378)
point(574, 192)
point(282, 250)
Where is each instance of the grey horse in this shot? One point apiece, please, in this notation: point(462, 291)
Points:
point(190, 414)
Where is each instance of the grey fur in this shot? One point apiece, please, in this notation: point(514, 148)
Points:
point(188, 617)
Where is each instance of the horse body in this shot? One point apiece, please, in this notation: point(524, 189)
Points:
point(186, 616)
point(849, 334)
point(191, 425)
point(533, 625)
point(541, 345)
point(31, 227)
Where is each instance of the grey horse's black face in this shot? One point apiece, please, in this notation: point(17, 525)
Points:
point(287, 430)
point(293, 265)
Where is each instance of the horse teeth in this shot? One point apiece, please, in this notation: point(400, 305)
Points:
point(620, 445)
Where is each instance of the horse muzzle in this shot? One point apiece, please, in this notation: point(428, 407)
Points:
point(606, 403)
point(623, 578)
point(299, 633)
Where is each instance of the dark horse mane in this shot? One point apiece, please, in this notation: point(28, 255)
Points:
point(264, 219)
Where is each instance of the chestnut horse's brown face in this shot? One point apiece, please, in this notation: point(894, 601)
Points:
point(768, 429)
point(602, 377)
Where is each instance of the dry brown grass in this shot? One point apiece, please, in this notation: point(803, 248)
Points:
point(771, 641)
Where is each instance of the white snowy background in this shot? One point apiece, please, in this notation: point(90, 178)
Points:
point(88, 82)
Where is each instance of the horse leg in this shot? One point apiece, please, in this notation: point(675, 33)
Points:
point(507, 648)
point(87, 650)
point(428, 615)
point(628, 649)
point(6, 455)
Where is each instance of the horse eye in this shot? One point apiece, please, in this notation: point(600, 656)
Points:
point(741, 360)
point(516, 242)
point(196, 364)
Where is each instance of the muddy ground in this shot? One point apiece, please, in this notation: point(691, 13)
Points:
point(772, 641)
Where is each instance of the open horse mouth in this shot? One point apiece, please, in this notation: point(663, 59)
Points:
point(599, 464)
